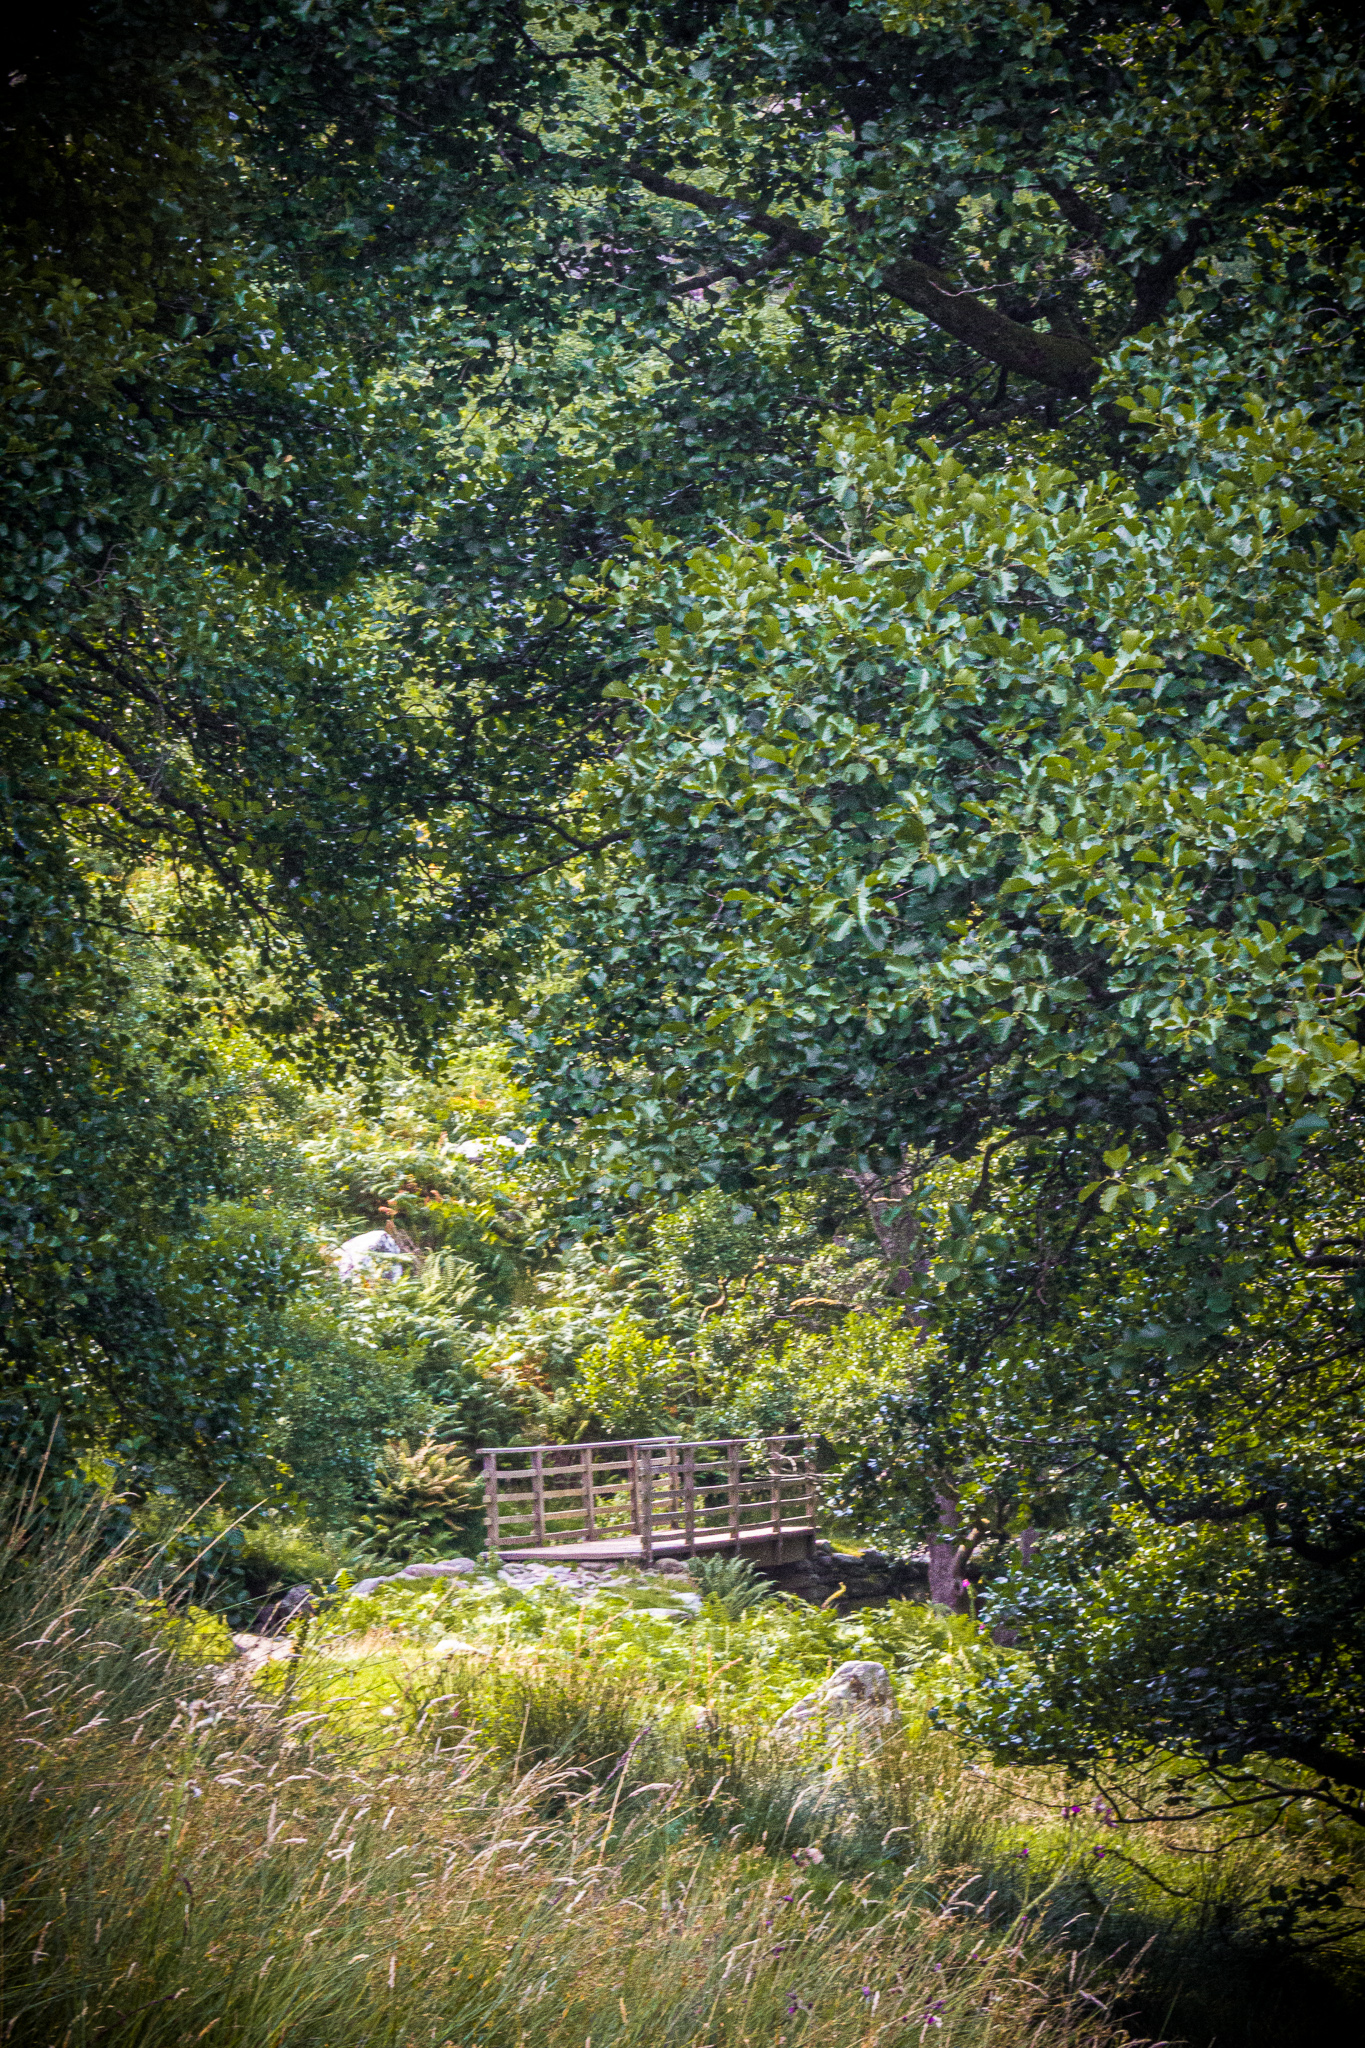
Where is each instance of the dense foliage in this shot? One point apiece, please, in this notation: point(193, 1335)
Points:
point(811, 565)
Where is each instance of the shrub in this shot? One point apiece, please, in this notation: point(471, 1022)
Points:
point(276, 1555)
point(223, 1562)
point(426, 1502)
point(632, 1383)
point(192, 1634)
point(731, 1584)
point(337, 1401)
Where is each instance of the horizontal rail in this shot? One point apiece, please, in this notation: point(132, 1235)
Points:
point(616, 1443)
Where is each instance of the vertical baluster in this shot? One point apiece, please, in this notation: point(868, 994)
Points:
point(647, 1508)
point(538, 1495)
point(733, 1489)
point(812, 1502)
point(490, 1499)
point(689, 1484)
point(633, 1476)
point(589, 1503)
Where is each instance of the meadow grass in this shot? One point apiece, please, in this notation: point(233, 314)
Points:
point(521, 1851)
point(1200, 1914)
point(188, 1862)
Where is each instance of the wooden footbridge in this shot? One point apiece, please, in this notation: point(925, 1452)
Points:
point(652, 1497)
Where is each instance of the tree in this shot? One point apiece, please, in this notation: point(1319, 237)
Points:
point(996, 841)
point(137, 1310)
point(197, 712)
point(557, 268)
point(1028, 185)
point(988, 834)
point(919, 795)
point(624, 259)
point(1187, 1416)
point(198, 468)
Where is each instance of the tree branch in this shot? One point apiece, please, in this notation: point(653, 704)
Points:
point(1155, 282)
point(743, 273)
point(1063, 362)
point(1342, 1770)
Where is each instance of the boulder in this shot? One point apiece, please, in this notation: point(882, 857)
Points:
point(855, 1703)
point(276, 1615)
point(446, 1568)
point(374, 1251)
point(251, 1653)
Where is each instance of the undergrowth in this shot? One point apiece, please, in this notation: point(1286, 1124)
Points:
point(480, 1845)
point(184, 1864)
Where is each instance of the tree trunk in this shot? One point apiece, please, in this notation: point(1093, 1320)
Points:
point(946, 1554)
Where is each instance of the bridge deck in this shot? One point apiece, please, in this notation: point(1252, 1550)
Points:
point(792, 1541)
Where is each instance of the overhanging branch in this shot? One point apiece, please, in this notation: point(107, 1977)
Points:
point(1062, 362)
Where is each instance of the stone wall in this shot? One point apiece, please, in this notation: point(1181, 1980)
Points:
point(867, 1580)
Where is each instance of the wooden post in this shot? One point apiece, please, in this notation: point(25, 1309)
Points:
point(673, 1481)
point(490, 1500)
point(589, 1504)
point(812, 1505)
point(775, 1489)
point(647, 1508)
point(633, 1477)
point(689, 1484)
point(538, 1495)
point(734, 1489)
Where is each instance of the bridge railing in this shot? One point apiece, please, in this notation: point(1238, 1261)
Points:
point(648, 1488)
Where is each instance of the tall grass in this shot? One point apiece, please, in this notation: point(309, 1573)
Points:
point(517, 1846)
point(1190, 1910)
point(181, 1862)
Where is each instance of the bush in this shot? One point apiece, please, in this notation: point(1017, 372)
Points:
point(731, 1584)
point(276, 1555)
point(191, 1634)
point(186, 1555)
point(633, 1384)
point(230, 1565)
point(336, 1403)
point(427, 1503)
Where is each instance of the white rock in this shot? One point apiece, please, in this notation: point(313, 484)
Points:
point(446, 1568)
point(580, 1581)
point(374, 1251)
point(854, 1703)
point(253, 1653)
